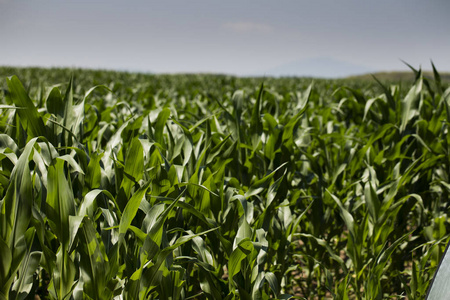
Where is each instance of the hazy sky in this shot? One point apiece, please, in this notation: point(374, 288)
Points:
point(236, 37)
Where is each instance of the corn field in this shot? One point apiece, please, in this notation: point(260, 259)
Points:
point(131, 186)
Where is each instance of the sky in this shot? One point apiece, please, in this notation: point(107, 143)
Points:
point(325, 38)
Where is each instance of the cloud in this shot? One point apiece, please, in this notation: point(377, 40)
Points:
point(248, 27)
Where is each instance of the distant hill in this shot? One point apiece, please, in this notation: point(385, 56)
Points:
point(319, 67)
point(398, 76)
point(56, 75)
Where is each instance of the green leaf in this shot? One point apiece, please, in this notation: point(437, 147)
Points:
point(437, 79)
point(134, 166)
point(94, 173)
point(64, 275)
point(160, 124)
point(28, 114)
point(24, 284)
point(16, 206)
point(260, 184)
point(130, 210)
point(87, 207)
point(149, 276)
point(156, 230)
point(94, 264)
point(410, 103)
point(256, 126)
point(288, 130)
point(346, 216)
point(273, 282)
point(372, 202)
point(55, 103)
point(5, 266)
point(60, 202)
point(243, 249)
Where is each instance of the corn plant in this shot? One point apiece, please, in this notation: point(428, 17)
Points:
point(134, 186)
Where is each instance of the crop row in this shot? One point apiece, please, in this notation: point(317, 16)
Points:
point(136, 190)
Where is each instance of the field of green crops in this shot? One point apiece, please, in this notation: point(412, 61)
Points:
point(133, 186)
